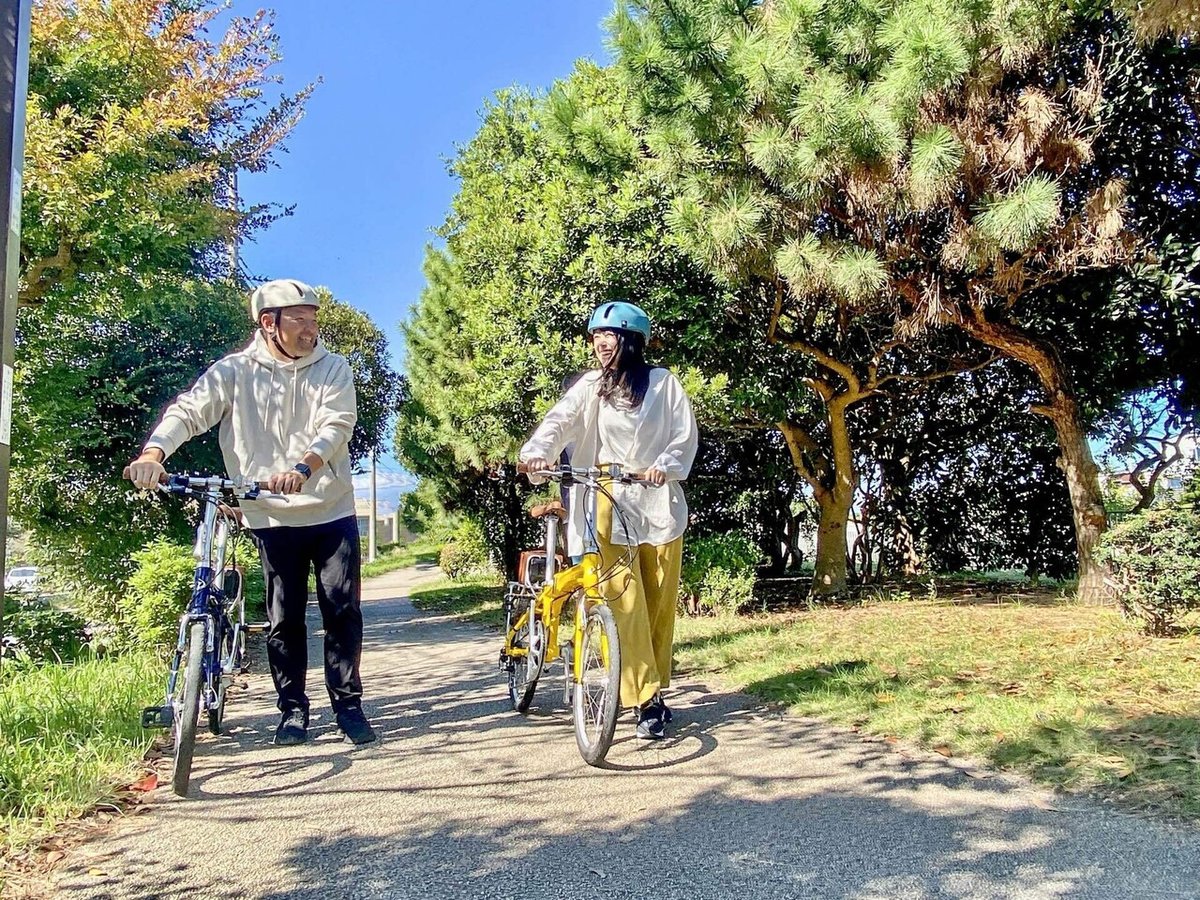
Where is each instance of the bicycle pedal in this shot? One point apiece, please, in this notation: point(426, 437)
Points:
point(158, 717)
point(257, 627)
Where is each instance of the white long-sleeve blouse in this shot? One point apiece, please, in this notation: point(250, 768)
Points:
point(659, 434)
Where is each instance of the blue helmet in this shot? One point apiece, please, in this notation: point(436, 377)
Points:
point(622, 315)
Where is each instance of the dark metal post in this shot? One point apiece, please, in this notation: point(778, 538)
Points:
point(14, 86)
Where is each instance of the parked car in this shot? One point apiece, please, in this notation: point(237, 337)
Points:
point(22, 578)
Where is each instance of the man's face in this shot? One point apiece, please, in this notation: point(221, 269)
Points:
point(604, 345)
point(296, 330)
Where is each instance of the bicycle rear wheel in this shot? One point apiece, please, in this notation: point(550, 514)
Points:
point(226, 661)
point(524, 670)
point(597, 694)
point(187, 712)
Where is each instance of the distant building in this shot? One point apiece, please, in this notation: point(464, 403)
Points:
point(387, 527)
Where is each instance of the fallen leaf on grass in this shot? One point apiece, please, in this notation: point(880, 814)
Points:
point(891, 739)
point(54, 856)
point(146, 783)
point(97, 873)
point(943, 750)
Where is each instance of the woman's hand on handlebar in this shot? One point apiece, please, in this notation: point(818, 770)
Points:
point(533, 464)
point(656, 477)
point(146, 472)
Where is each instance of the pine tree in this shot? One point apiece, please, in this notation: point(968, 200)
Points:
point(892, 169)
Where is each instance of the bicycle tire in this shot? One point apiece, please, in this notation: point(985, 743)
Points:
point(522, 682)
point(188, 714)
point(596, 700)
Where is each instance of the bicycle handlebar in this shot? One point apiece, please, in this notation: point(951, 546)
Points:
point(243, 488)
point(573, 473)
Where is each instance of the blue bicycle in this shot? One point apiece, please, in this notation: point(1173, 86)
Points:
point(211, 648)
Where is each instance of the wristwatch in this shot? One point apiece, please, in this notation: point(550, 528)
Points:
point(303, 470)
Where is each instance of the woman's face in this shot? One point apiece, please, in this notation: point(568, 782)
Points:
point(604, 345)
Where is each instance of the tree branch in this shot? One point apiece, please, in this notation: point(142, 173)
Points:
point(36, 280)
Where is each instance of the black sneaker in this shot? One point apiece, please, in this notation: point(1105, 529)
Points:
point(650, 723)
point(292, 728)
point(354, 726)
point(664, 711)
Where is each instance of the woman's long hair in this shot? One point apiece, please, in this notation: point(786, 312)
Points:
point(624, 383)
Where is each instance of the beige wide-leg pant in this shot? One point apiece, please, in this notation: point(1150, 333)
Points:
point(642, 597)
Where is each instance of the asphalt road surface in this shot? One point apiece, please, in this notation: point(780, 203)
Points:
point(464, 798)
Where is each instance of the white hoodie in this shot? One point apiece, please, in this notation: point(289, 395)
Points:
point(659, 434)
point(271, 413)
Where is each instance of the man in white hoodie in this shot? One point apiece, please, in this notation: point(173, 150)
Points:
point(286, 409)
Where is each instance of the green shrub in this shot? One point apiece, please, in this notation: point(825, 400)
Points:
point(466, 553)
point(159, 589)
point(1154, 558)
point(35, 632)
point(718, 572)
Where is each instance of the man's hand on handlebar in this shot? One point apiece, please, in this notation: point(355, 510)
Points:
point(146, 472)
point(289, 482)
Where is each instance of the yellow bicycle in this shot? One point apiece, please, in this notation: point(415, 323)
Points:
point(554, 614)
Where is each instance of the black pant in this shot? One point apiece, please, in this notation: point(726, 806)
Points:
point(288, 554)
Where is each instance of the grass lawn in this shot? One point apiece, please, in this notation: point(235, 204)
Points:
point(1070, 695)
point(400, 556)
point(478, 600)
point(70, 737)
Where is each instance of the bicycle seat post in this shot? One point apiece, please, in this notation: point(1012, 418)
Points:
point(551, 547)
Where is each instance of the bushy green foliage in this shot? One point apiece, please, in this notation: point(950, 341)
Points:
point(718, 571)
point(159, 589)
point(1154, 558)
point(36, 632)
point(466, 553)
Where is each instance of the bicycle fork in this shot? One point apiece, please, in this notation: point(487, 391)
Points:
point(164, 716)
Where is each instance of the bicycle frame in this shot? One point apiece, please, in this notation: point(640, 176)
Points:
point(581, 580)
point(210, 603)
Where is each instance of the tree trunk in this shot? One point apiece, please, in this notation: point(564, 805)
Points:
point(1062, 409)
point(1087, 500)
point(829, 564)
point(833, 482)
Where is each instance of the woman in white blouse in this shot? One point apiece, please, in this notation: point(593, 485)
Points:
point(629, 413)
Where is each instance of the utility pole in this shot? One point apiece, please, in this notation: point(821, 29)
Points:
point(14, 87)
point(374, 512)
point(235, 240)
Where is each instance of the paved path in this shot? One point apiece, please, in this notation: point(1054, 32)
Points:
point(463, 798)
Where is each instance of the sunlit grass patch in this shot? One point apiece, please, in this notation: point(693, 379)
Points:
point(401, 557)
point(1071, 695)
point(479, 600)
point(69, 736)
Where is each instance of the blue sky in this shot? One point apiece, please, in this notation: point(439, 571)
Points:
point(366, 168)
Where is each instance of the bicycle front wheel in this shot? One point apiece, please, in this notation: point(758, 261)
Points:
point(598, 690)
point(187, 711)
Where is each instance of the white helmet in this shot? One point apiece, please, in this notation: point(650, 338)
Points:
point(280, 294)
